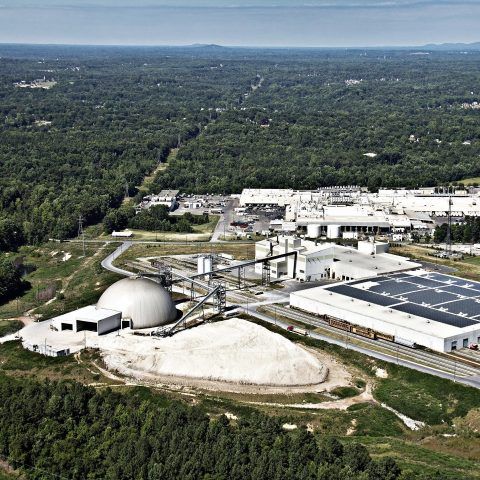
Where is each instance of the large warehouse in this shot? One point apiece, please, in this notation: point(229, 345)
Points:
point(433, 310)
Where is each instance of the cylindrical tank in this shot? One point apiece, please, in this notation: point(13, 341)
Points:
point(333, 231)
point(204, 264)
point(313, 231)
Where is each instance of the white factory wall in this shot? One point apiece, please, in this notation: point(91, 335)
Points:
point(367, 247)
point(350, 271)
point(104, 324)
point(362, 318)
point(109, 324)
point(316, 265)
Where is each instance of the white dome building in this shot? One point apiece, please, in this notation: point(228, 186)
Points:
point(145, 303)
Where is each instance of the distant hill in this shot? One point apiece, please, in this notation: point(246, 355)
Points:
point(453, 46)
point(211, 46)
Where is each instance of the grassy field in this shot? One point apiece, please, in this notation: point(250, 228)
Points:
point(15, 361)
point(9, 326)
point(419, 458)
point(201, 233)
point(63, 265)
point(469, 267)
point(470, 181)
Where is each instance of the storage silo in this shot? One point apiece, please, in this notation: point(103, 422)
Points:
point(314, 231)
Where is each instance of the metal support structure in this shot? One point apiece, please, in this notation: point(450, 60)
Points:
point(242, 265)
point(216, 294)
point(220, 299)
point(164, 274)
point(81, 233)
point(266, 273)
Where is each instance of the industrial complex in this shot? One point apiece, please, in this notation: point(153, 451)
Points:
point(316, 261)
point(353, 212)
point(328, 249)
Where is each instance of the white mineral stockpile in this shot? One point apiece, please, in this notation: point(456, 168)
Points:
point(234, 351)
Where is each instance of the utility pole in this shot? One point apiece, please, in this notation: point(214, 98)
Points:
point(448, 242)
point(81, 233)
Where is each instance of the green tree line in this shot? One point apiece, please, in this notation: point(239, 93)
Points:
point(156, 218)
point(71, 431)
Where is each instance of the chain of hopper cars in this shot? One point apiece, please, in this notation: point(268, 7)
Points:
point(357, 329)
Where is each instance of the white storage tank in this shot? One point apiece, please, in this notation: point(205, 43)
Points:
point(314, 231)
point(204, 264)
point(333, 231)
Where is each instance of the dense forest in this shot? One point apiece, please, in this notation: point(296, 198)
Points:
point(67, 430)
point(312, 122)
point(75, 148)
point(242, 117)
point(156, 218)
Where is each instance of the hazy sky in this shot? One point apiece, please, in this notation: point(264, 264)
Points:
point(240, 22)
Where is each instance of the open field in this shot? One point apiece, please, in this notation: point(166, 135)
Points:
point(201, 233)
point(15, 361)
point(469, 267)
point(78, 280)
point(416, 456)
point(470, 181)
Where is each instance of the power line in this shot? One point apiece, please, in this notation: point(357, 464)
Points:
point(81, 233)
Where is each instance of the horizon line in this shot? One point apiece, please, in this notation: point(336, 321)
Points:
point(216, 45)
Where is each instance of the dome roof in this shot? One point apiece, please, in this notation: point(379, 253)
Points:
point(142, 301)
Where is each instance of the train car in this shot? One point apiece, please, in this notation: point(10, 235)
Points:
point(385, 336)
point(364, 332)
point(406, 342)
point(340, 324)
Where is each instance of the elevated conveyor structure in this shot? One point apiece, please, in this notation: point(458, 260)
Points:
point(217, 294)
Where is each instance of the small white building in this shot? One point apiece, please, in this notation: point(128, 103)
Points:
point(124, 234)
point(168, 198)
point(90, 318)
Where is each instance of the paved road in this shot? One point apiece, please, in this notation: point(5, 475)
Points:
point(107, 262)
point(225, 219)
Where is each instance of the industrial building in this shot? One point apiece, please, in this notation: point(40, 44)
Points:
point(352, 212)
point(422, 308)
point(168, 198)
point(133, 302)
point(90, 318)
point(316, 261)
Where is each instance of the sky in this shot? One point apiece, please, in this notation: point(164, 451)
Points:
point(276, 23)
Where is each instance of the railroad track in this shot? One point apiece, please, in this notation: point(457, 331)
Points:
point(438, 361)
